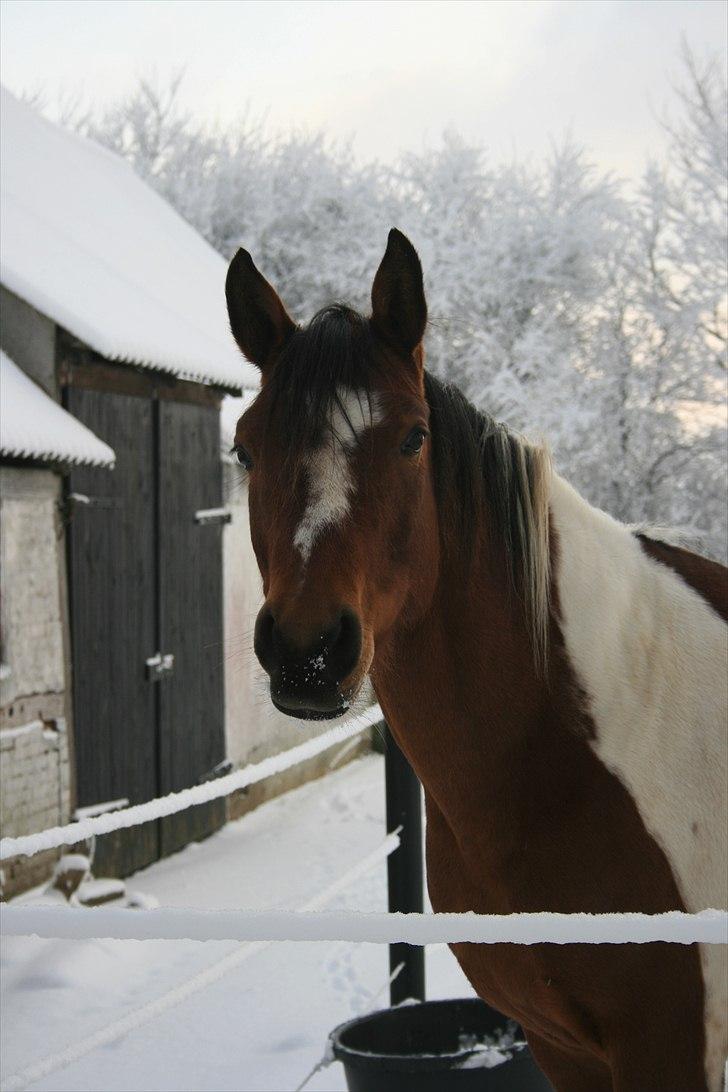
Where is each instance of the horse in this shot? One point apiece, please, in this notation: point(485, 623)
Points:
point(556, 679)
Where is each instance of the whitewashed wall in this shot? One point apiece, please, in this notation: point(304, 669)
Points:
point(32, 638)
point(35, 777)
point(253, 728)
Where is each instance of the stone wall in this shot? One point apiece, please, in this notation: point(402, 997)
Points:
point(35, 767)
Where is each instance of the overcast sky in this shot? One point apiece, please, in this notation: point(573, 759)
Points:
point(391, 75)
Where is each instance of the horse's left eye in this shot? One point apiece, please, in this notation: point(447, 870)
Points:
point(242, 456)
point(415, 439)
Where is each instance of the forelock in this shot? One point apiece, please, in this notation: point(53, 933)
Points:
point(333, 354)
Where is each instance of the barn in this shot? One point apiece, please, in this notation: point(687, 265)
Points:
point(125, 569)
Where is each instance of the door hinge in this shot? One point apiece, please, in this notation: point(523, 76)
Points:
point(159, 665)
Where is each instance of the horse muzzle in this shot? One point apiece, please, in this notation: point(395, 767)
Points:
point(308, 672)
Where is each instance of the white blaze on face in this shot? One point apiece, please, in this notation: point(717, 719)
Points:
point(328, 468)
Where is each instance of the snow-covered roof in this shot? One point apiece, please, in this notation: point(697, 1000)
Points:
point(89, 244)
point(33, 426)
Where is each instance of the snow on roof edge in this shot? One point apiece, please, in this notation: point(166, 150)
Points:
point(20, 286)
point(34, 426)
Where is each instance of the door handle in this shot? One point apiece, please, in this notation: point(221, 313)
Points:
point(159, 665)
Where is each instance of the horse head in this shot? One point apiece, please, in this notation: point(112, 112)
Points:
point(342, 504)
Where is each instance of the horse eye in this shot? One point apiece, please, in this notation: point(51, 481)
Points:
point(242, 456)
point(413, 444)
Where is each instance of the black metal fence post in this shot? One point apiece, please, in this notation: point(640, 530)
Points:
point(404, 868)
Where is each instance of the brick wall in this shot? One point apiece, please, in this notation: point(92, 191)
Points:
point(35, 780)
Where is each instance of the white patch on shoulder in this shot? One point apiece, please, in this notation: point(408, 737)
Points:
point(330, 482)
point(652, 655)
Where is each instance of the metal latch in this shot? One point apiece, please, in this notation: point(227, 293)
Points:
point(91, 811)
point(221, 770)
point(213, 515)
point(159, 665)
point(73, 501)
point(93, 502)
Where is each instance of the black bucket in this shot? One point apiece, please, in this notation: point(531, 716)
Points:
point(432, 1047)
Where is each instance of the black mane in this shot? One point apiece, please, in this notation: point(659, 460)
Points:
point(334, 350)
point(478, 463)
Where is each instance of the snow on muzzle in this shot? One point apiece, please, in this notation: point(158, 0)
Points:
point(308, 672)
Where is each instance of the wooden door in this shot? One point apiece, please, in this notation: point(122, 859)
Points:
point(112, 579)
point(145, 577)
point(192, 732)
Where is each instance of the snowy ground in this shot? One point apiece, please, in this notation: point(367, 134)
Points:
point(264, 1024)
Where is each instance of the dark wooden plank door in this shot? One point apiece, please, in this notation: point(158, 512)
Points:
point(191, 721)
point(113, 621)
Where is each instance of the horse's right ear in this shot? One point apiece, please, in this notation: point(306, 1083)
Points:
point(259, 321)
point(399, 310)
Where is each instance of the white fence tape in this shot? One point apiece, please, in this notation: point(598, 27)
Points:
point(200, 981)
point(676, 927)
point(68, 835)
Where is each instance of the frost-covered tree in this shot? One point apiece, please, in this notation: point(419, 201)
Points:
point(520, 260)
point(665, 390)
point(321, 229)
point(559, 302)
point(181, 159)
point(694, 195)
point(314, 220)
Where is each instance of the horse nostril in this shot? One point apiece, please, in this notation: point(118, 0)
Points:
point(264, 642)
point(344, 644)
point(330, 637)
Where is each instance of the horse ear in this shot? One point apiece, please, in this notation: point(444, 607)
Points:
point(259, 321)
point(399, 310)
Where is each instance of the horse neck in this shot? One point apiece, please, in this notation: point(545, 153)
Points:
point(459, 687)
point(461, 690)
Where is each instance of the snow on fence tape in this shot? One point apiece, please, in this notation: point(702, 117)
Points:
point(68, 835)
point(140, 1017)
point(676, 927)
